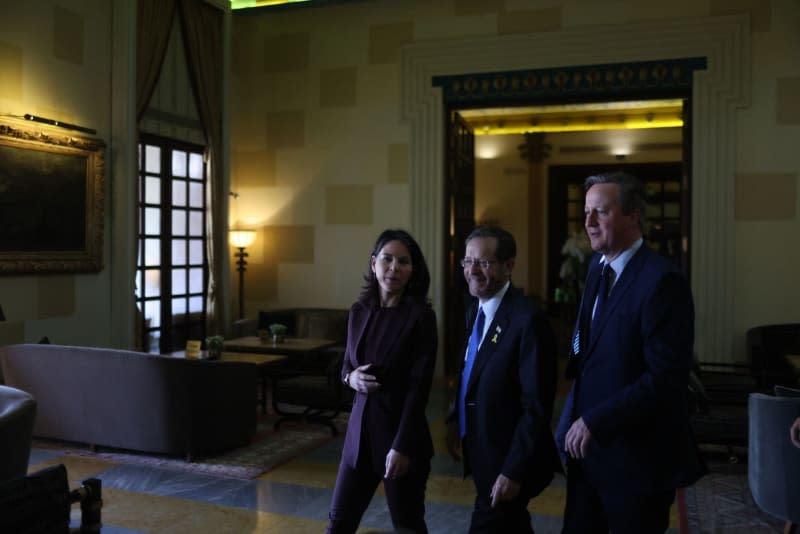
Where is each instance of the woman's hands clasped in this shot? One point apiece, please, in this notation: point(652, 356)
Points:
point(360, 380)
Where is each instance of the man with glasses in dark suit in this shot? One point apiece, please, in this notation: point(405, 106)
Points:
point(501, 418)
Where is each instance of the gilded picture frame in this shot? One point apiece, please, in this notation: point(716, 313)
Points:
point(51, 200)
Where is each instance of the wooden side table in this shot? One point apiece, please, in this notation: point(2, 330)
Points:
point(263, 363)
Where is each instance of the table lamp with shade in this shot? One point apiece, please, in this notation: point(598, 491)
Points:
point(241, 239)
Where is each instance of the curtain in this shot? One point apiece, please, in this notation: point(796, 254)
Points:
point(153, 24)
point(202, 38)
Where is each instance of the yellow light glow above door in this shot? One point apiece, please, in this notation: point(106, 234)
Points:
point(248, 4)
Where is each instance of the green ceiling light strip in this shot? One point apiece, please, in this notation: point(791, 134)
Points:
point(248, 4)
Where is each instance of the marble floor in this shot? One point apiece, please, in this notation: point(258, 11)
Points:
point(293, 498)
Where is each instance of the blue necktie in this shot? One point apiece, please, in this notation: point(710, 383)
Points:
point(472, 350)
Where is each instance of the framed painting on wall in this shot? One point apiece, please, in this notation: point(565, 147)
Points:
point(51, 200)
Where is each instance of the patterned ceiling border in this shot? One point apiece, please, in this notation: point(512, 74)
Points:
point(610, 80)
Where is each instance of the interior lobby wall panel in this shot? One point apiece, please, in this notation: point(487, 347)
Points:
point(253, 168)
point(56, 296)
point(68, 35)
point(442, 21)
point(55, 59)
point(340, 39)
point(286, 52)
point(787, 102)
point(767, 197)
point(286, 244)
point(774, 60)
point(285, 91)
point(248, 123)
point(12, 332)
point(300, 169)
point(342, 258)
point(11, 67)
point(285, 129)
point(760, 11)
point(378, 89)
point(536, 20)
point(385, 41)
point(339, 128)
point(260, 284)
point(576, 14)
point(391, 201)
point(766, 272)
point(247, 47)
point(348, 204)
point(307, 286)
point(20, 298)
point(337, 87)
point(352, 164)
point(476, 7)
point(397, 162)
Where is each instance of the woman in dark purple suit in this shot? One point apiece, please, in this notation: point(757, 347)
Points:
point(389, 362)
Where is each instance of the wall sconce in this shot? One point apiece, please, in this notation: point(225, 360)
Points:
point(241, 239)
point(62, 124)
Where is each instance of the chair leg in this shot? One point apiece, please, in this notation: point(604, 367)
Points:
point(90, 497)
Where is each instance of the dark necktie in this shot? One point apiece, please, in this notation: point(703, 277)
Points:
point(581, 334)
point(472, 350)
point(606, 277)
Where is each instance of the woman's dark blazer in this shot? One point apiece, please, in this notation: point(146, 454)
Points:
point(394, 414)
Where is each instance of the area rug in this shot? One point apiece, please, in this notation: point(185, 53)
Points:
point(269, 449)
point(721, 502)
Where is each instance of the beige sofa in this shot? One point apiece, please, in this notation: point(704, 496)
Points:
point(133, 400)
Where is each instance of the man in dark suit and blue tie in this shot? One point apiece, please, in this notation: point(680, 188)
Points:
point(624, 427)
point(501, 418)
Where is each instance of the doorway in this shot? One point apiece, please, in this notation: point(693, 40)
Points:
point(538, 192)
point(719, 46)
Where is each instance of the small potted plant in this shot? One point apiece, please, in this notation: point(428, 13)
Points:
point(278, 332)
point(214, 345)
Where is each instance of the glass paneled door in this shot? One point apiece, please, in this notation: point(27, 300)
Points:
point(172, 266)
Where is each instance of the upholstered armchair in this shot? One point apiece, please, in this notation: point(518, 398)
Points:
point(774, 462)
point(17, 414)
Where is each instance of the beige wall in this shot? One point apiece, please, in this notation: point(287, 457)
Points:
point(316, 132)
point(55, 61)
point(767, 191)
